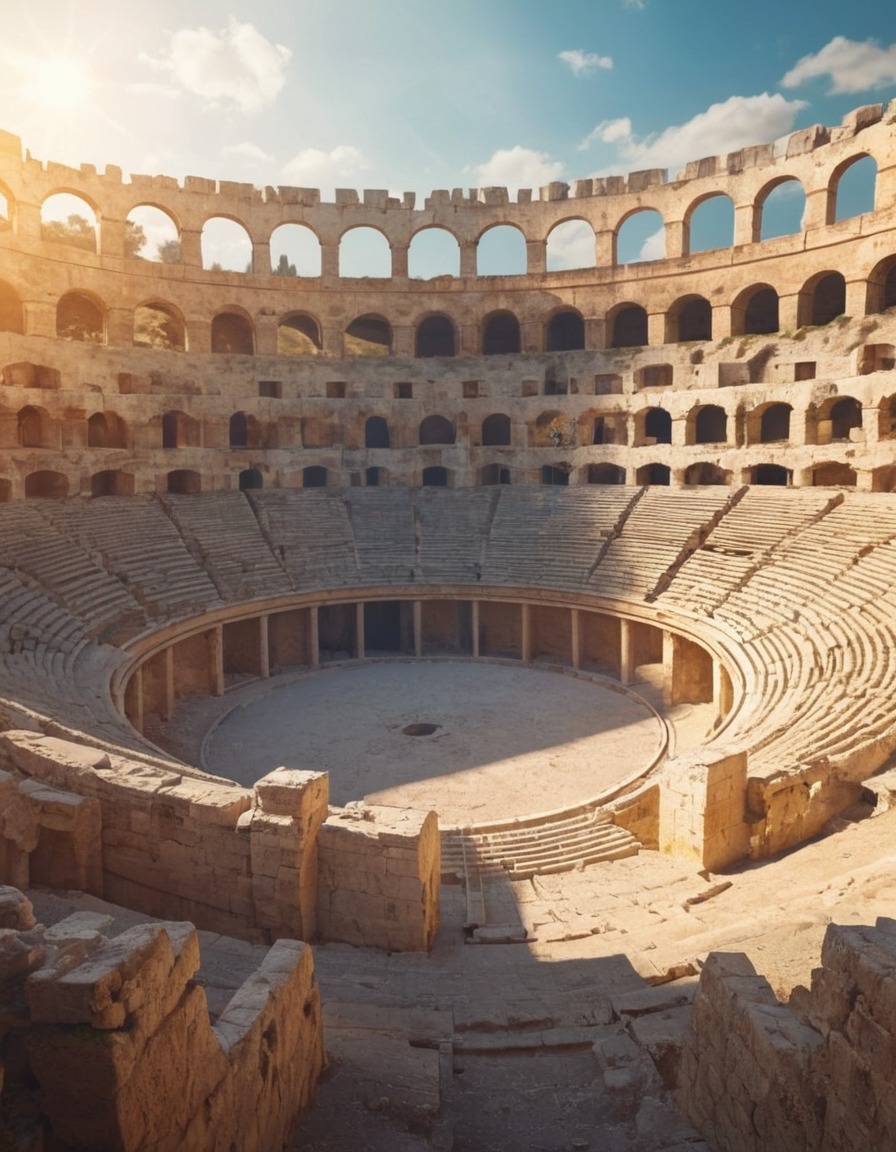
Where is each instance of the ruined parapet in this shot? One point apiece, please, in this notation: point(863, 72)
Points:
point(378, 880)
point(702, 808)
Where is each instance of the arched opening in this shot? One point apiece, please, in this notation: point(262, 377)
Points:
point(501, 251)
point(226, 246)
point(500, 334)
point(5, 490)
point(555, 475)
point(374, 477)
point(433, 252)
point(250, 479)
point(159, 325)
point(435, 337)
point(770, 475)
point(882, 479)
point(606, 474)
point(239, 431)
point(822, 299)
point(298, 334)
point(886, 419)
point(184, 482)
point(705, 473)
point(111, 483)
point(151, 234)
point(494, 474)
point(570, 245)
point(106, 430)
point(35, 429)
point(689, 319)
point(314, 476)
point(852, 187)
point(368, 335)
point(69, 219)
point(566, 331)
point(435, 477)
point(653, 426)
point(833, 475)
point(295, 251)
point(710, 425)
point(881, 291)
point(654, 474)
point(364, 252)
point(179, 430)
point(779, 210)
point(11, 314)
point(755, 312)
point(376, 432)
point(436, 430)
point(844, 415)
point(232, 334)
point(628, 326)
point(496, 430)
point(774, 423)
point(709, 224)
point(78, 317)
point(641, 236)
point(46, 485)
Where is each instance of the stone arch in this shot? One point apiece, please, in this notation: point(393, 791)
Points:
point(152, 233)
point(639, 236)
point(491, 474)
point(233, 333)
point(881, 291)
point(179, 430)
point(779, 208)
point(82, 317)
point(755, 311)
point(433, 252)
point(35, 428)
point(851, 189)
point(496, 430)
point(368, 335)
point(627, 326)
point(556, 475)
point(314, 476)
point(707, 424)
point(435, 336)
point(295, 251)
point(501, 334)
point(436, 430)
point(226, 245)
point(605, 474)
point(298, 334)
point(46, 485)
point(376, 432)
point(705, 472)
point(11, 313)
point(833, 474)
point(822, 299)
point(183, 482)
point(106, 430)
point(364, 252)
point(769, 475)
point(652, 426)
point(570, 244)
point(375, 477)
point(111, 482)
point(68, 217)
point(844, 414)
point(689, 319)
point(250, 480)
point(654, 474)
point(886, 418)
point(436, 476)
point(158, 324)
point(770, 423)
point(709, 223)
point(501, 251)
point(565, 331)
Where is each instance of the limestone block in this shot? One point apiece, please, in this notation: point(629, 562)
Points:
point(16, 910)
point(293, 792)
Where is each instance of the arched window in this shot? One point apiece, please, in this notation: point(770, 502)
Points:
point(570, 245)
point(775, 423)
point(314, 476)
point(250, 479)
point(184, 482)
point(822, 299)
point(566, 331)
point(606, 474)
point(34, 429)
point(834, 475)
point(654, 474)
point(494, 474)
point(710, 425)
point(641, 236)
point(555, 475)
point(501, 251)
point(364, 252)
point(657, 426)
point(239, 430)
point(106, 430)
point(435, 477)
point(151, 234)
point(232, 334)
point(755, 312)
point(111, 483)
point(69, 219)
point(496, 430)
point(436, 430)
point(433, 252)
point(881, 291)
point(852, 188)
point(845, 414)
point(179, 430)
point(295, 251)
point(435, 337)
point(226, 246)
point(298, 334)
point(11, 316)
point(704, 473)
point(689, 319)
point(373, 477)
point(376, 432)
point(779, 210)
point(46, 485)
point(78, 317)
point(368, 336)
point(628, 326)
point(500, 334)
point(710, 224)
point(886, 419)
point(771, 475)
point(159, 325)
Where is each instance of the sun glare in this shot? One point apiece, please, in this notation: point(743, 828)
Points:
point(60, 84)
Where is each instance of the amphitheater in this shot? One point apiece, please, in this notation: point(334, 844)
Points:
point(667, 486)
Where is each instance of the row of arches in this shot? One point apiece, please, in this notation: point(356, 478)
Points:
point(82, 316)
point(154, 233)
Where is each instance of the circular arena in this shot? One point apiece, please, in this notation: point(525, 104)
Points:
point(544, 570)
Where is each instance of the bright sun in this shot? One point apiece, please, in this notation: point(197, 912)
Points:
point(59, 84)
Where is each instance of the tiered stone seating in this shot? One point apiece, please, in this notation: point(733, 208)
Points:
point(311, 535)
point(224, 535)
point(382, 523)
point(453, 528)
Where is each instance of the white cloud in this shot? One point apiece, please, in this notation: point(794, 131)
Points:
point(571, 245)
point(247, 151)
point(638, 5)
point(737, 122)
point(654, 246)
point(853, 66)
point(150, 88)
point(313, 168)
point(236, 66)
point(584, 62)
point(518, 167)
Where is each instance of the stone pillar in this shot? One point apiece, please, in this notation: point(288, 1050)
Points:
point(626, 652)
point(110, 237)
point(266, 335)
point(526, 633)
point(536, 257)
point(721, 321)
point(817, 210)
point(856, 293)
point(191, 247)
point(313, 637)
point(656, 329)
point(670, 666)
point(329, 261)
point(722, 689)
point(604, 245)
point(418, 628)
point(702, 809)
point(134, 700)
point(216, 659)
point(359, 630)
point(677, 239)
point(169, 682)
point(746, 230)
point(403, 341)
point(474, 625)
point(264, 647)
point(468, 258)
point(575, 622)
point(261, 258)
point(788, 313)
point(399, 262)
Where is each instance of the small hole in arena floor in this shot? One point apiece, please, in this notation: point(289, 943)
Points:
point(420, 729)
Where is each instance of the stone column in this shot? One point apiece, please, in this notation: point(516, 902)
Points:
point(722, 689)
point(677, 239)
point(313, 637)
point(525, 633)
point(264, 647)
point(536, 257)
point(575, 620)
point(169, 682)
point(191, 247)
point(418, 628)
point(626, 652)
point(359, 630)
point(216, 659)
point(261, 258)
point(474, 625)
point(468, 258)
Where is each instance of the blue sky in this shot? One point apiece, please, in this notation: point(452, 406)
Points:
point(415, 95)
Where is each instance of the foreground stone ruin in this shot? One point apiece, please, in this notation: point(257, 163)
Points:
point(674, 478)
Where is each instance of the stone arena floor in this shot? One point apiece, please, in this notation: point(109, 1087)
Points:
point(504, 741)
